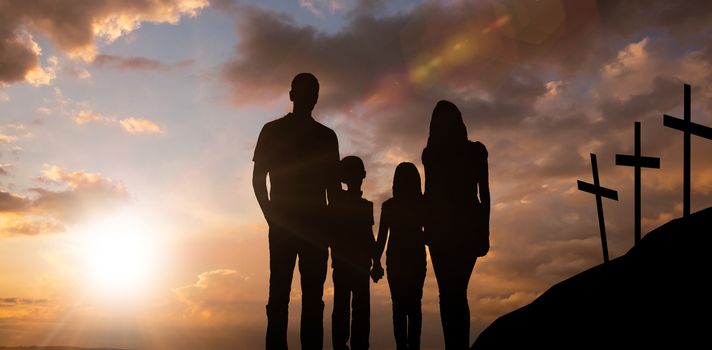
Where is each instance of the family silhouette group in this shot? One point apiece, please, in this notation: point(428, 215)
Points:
point(310, 215)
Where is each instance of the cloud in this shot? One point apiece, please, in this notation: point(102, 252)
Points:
point(67, 198)
point(4, 169)
point(10, 202)
point(82, 113)
point(316, 7)
point(5, 302)
point(139, 126)
point(542, 84)
point(7, 138)
point(86, 115)
point(40, 76)
point(24, 308)
point(137, 63)
point(221, 295)
point(74, 28)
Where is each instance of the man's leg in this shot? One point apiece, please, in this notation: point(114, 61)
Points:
point(312, 267)
point(341, 315)
point(361, 325)
point(282, 257)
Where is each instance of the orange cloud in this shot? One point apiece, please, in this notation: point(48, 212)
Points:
point(81, 194)
point(81, 113)
point(139, 125)
point(221, 295)
point(85, 116)
point(7, 138)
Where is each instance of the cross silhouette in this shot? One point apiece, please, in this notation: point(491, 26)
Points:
point(687, 127)
point(637, 161)
point(599, 191)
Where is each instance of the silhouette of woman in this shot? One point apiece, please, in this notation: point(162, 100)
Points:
point(405, 257)
point(457, 219)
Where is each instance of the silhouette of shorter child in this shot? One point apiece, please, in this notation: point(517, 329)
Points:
point(403, 216)
point(352, 251)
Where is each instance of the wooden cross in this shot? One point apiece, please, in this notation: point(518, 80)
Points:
point(687, 127)
point(637, 161)
point(599, 191)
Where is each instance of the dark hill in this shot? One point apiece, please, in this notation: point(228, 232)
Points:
point(657, 294)
point(52, 348)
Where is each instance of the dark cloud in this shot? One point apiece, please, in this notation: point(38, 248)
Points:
point(137, 63)
point(10, 202)
point(74, 26)
point(10, 302)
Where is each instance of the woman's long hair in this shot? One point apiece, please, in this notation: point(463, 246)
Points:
point(406, 181)
point(447, 133)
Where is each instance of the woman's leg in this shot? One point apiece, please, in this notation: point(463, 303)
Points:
point(452, 271)
point(415, 314)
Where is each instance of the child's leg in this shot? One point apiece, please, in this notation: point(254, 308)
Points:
point(340, 316)
point(415, 322)
point(415, 314)
point(400, 320)
point(361, 323)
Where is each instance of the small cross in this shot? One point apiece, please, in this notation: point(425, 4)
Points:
point(599, 192)
point(637, 161)
point(688, 127)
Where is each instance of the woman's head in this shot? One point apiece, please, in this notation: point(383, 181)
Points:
point(406, 181)
point(446, 125)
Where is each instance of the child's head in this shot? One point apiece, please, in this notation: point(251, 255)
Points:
point(351, 171)
point(406, 181)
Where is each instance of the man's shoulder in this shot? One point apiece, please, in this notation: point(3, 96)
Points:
point(323, 129)
point(366, 203)
point(276, 123)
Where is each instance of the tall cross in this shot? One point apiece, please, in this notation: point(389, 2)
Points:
point(599, 192)
point(637, 161)
point(688, 127)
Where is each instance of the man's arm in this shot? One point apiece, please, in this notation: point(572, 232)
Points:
point(259, 184)
point(333, 185)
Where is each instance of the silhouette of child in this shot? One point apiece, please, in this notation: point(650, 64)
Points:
point(403, 215)
point(352, 251)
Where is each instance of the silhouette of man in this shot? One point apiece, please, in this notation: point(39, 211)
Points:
point(301, 157)
point(352, 254)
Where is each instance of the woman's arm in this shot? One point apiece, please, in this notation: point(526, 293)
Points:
point(483, 186)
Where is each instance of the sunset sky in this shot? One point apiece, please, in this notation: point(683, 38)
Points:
point(127, 217)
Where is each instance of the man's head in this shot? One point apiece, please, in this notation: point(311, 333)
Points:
point(304, 92)
point(352, 172)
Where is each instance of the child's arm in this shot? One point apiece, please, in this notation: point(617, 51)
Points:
point(383, 227)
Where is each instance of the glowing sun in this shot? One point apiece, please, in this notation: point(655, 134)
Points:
point(120, 256)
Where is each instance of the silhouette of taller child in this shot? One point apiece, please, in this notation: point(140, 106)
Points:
point(301, 157)
point(457, 215)
point(402, 215)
